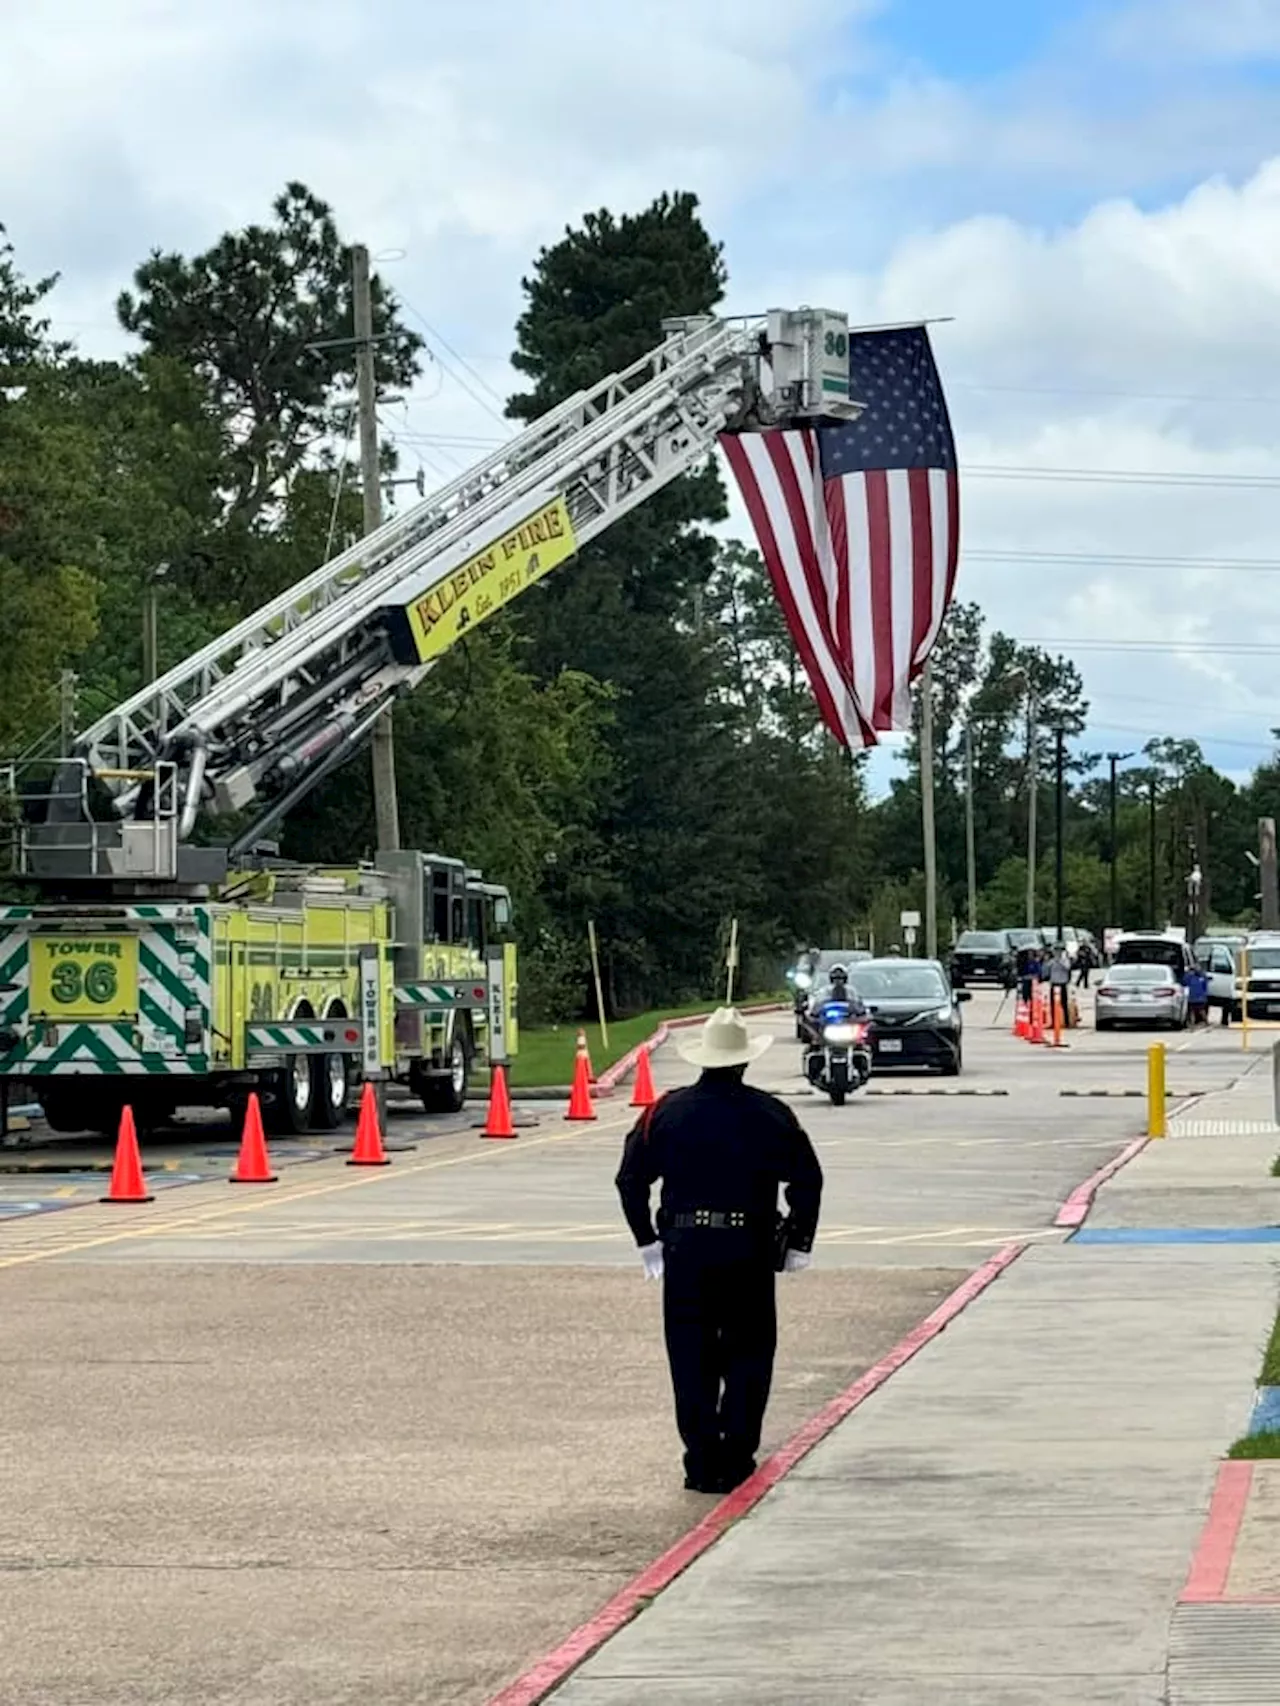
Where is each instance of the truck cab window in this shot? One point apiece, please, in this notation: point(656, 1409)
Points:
point(438, 909)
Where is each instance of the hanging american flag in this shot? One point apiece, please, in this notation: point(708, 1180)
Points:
point(859, 525)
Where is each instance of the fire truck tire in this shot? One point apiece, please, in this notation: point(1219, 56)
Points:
point(447, 1094)
point(330, 1090)
point(77, 1112)
point(289, 1112)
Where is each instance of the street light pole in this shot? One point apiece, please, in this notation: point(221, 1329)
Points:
point(926, 814)
point(1114, 758)
point(1033, 789)
point(970, 857)
point(1059, 762)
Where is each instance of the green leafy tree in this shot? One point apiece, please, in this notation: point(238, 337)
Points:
point(594, 304)
point(265, 319)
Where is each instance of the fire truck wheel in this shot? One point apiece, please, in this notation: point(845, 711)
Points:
point(329, 1090)
point(447, 1094)
point(289, 1111)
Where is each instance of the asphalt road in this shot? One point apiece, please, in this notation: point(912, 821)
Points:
point(389, 1434)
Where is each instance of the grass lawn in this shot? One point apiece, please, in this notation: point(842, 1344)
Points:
point(546, 1056)
point(1263, 1444)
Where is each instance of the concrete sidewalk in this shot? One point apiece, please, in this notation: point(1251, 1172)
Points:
point(1010, 1518)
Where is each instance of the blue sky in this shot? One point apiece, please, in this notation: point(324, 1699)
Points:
point(1088, 190)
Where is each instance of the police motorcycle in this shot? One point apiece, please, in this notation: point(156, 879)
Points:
point(837, 1045)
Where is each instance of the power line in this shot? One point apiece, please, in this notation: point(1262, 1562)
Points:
point(462, 361)
point(1121, 476)
point(1163, 734)
point(1230, 565)
point(1171, 647)
point(1124, 396)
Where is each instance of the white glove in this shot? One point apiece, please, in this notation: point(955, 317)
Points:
point(651, 1256)
point(795, 1261)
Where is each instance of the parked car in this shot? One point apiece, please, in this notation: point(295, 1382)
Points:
point(1155, 948)
point(1141, 993)
point(1217, 938)
point(983, 956)
point(915, 1012)
point(1258, 976)
point(1217, 957)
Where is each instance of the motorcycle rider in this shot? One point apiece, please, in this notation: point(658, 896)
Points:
point(837, 988)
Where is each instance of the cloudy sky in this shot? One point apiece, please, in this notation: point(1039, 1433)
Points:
point(1090, 191)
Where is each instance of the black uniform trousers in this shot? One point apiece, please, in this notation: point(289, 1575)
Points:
point(721, 1328)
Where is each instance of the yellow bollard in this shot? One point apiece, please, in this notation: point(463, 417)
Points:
point(1155, 1091)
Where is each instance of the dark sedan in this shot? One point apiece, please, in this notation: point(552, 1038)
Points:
point(915, 1012)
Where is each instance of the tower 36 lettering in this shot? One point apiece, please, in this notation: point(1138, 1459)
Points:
point(89, 976)
point(491, 579)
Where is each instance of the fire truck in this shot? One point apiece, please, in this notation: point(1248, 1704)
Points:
point(151, 964)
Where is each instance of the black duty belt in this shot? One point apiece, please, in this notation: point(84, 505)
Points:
point(736, 1219)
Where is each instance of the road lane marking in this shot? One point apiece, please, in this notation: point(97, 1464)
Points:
point(184, 1223)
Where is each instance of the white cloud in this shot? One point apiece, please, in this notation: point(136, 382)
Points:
point(1225, 30)
point(467, 137)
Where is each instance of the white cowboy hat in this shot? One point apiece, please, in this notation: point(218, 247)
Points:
point(724, 1041)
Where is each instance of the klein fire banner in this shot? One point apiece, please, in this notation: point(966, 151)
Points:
point(490, 579)
point(859, 525)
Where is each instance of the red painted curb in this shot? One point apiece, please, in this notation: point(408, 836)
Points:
point(535, 1684)
point(1211, 1562)
point(609, 1080)
point(1074, 1211)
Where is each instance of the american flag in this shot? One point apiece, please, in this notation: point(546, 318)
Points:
point(859, 525)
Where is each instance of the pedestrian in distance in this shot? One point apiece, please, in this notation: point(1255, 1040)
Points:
point(1197, 985)
point(1059, 981)
point(1084, 964)
point(1030, 972)
point(723, 1150)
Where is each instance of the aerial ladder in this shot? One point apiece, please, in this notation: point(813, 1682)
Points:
point(248, 725)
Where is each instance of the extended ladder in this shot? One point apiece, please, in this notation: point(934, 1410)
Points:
point(263, 712)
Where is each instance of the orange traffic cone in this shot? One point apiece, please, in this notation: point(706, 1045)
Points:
point(580, 1107)
point(1036, 1032)
point(1021, 1020)
point(127, 1183)
point(499, 1122)
point(368, 1150)
point(254, 1164)
point(584, 1053)
point(644, 1095)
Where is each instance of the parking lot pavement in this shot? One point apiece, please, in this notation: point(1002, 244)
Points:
point(391, 1433)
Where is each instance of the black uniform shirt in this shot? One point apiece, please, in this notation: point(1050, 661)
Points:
point(721, 1145)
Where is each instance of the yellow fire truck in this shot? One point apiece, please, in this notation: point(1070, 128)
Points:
point(149, 967)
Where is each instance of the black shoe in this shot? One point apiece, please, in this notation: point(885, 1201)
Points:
point(703, 1484)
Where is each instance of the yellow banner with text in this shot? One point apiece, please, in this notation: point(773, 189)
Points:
point(491, 579)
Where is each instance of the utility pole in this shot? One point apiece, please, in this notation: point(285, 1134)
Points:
point(1151, 851)
point(1059, 762)
point(926, 814)
point(1114, 758)
point(970, 858)
point(385, 809)
point(1267, 873)
point(1033, 789)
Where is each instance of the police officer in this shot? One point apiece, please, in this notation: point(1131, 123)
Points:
point(722, 1149)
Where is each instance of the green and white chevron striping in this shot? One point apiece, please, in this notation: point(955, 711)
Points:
point(174, 984)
